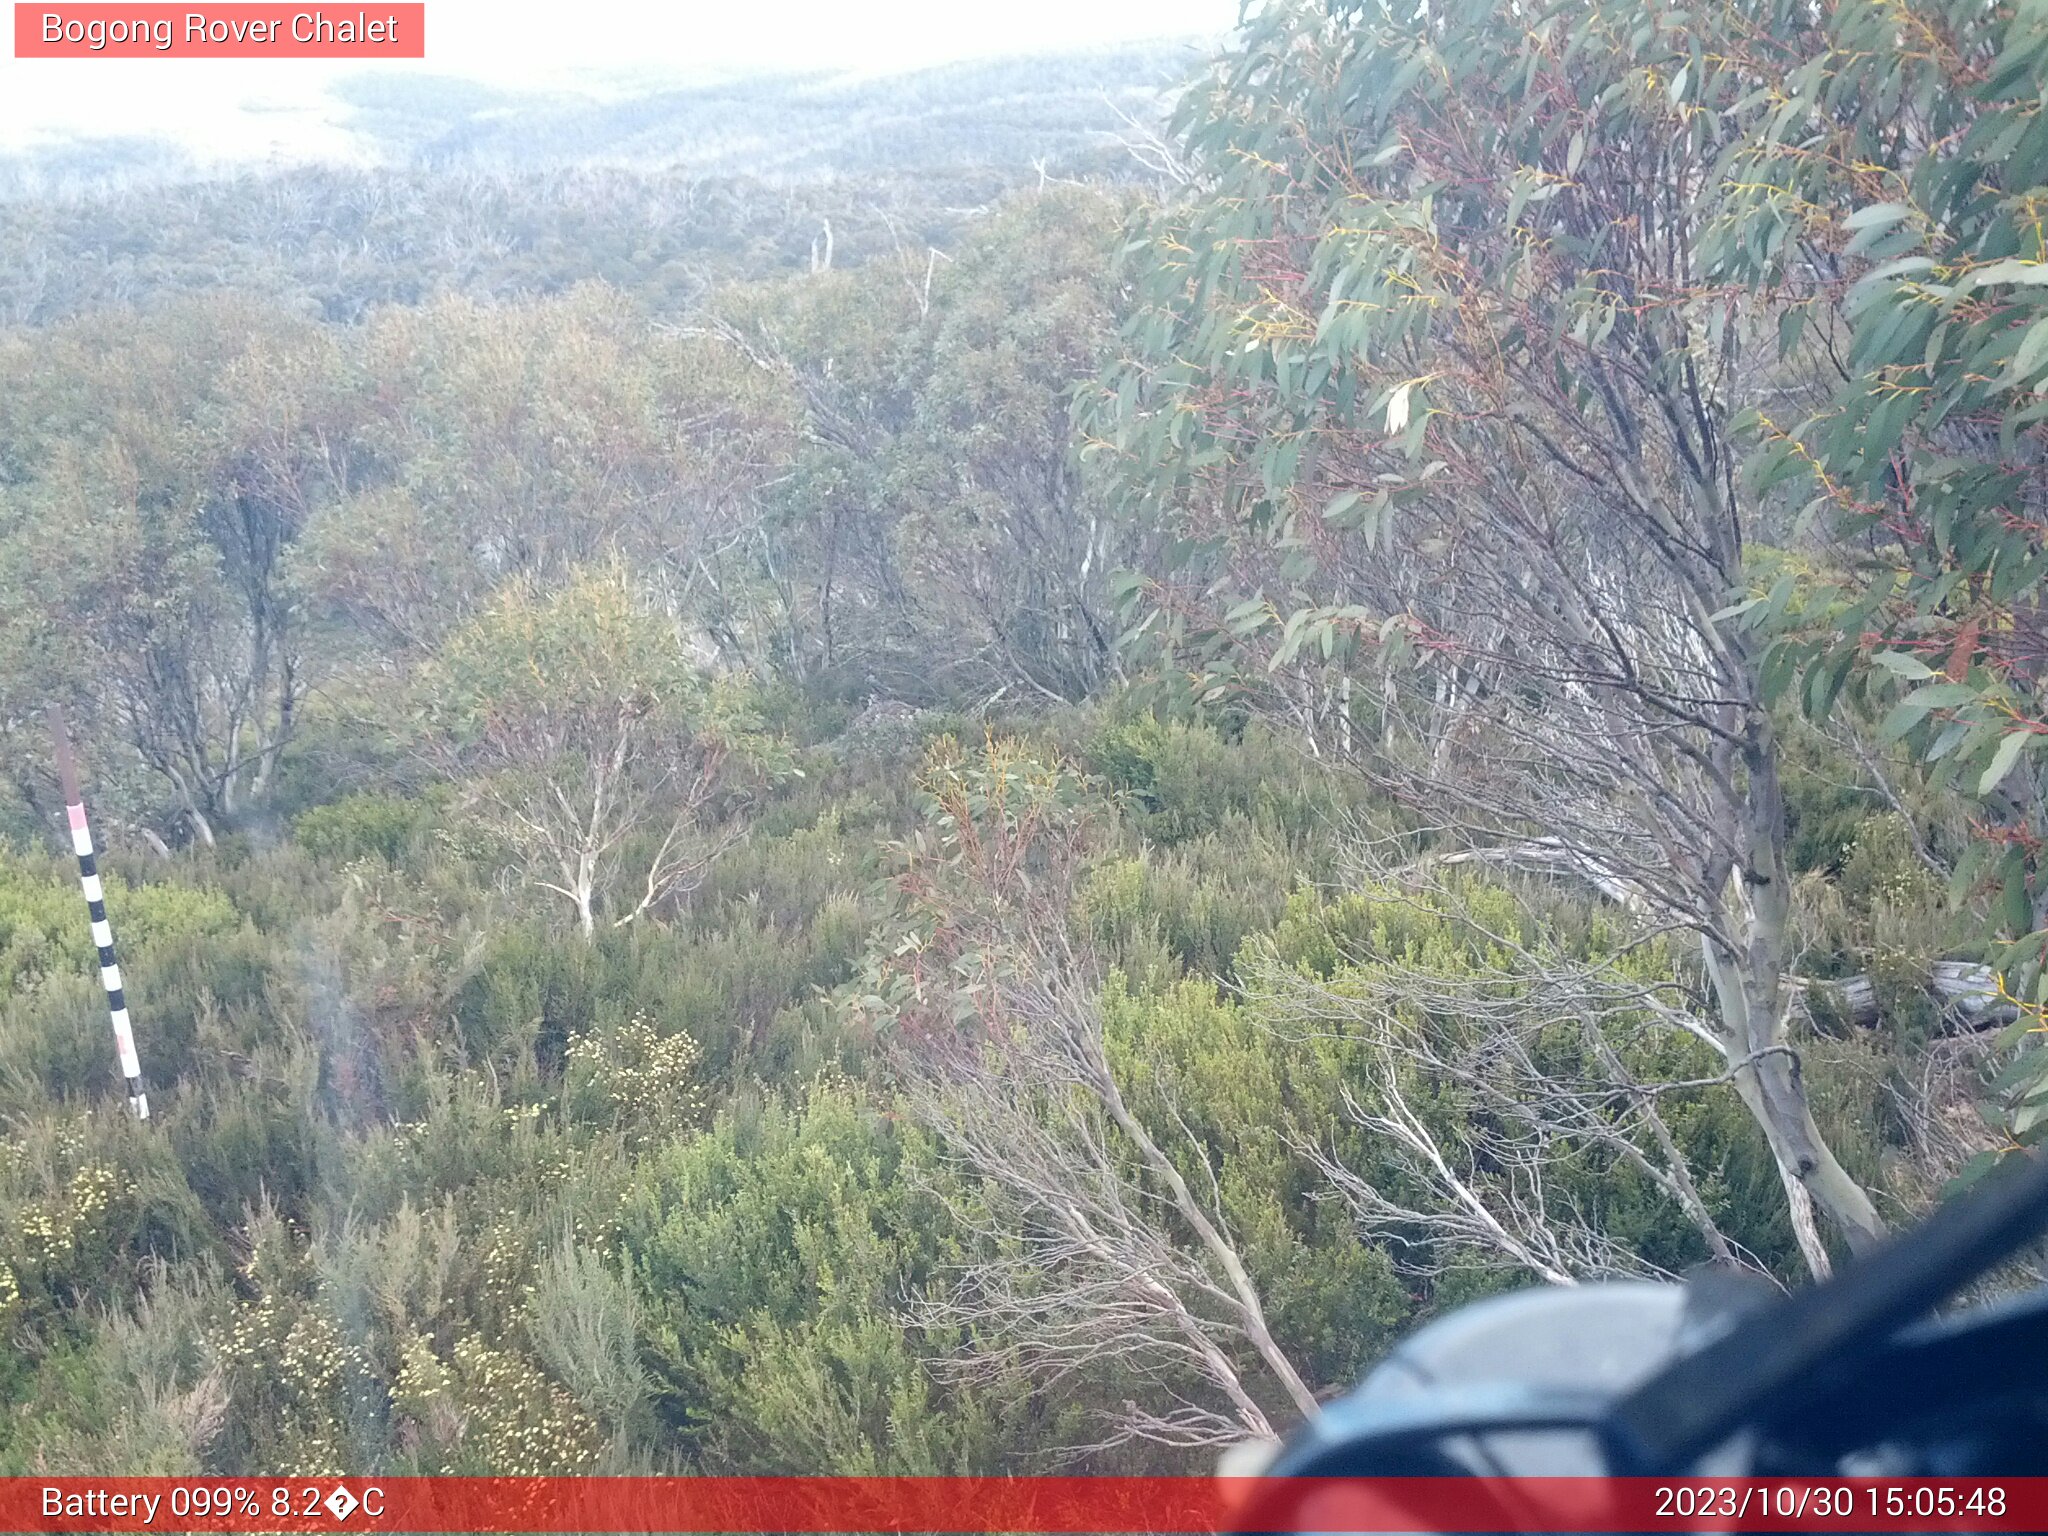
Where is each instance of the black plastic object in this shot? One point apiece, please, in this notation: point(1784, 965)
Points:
point(1791, 1384)
point(1805, 1349)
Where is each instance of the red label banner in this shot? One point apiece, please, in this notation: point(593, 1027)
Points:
point(1052, 1506)
point(227, 31)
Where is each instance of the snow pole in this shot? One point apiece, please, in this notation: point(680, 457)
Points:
point(96, 905)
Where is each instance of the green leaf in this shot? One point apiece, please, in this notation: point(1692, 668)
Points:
point(1246, 616)
point(1876, 216)
point(1976, 1168)
point(2002, 760)
point(2011, 270)
point(1901, 720)
point(2015, 908)
point(1791, 325)
point(1125, 584)
point(1942, 696)
point(2033, 351)
point(1900, 664)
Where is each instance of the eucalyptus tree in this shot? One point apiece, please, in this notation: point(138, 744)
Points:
point(1433, 382)
point(588, 744)
point(938, 539)
point(155, 473)
point(1891, 201)
point(528, 439)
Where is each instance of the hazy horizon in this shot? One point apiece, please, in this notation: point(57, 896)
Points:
point(244, 110)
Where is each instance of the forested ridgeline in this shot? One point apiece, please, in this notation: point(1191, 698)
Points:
point(1064, 112)
point(336, 244)
point(887, 842)
point(663, 191)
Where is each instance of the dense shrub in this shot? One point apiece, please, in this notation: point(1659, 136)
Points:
point(364, 825)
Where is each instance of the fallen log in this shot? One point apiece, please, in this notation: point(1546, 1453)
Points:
point(1966, 991)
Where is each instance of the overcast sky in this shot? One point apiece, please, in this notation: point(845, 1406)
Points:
point(257, 108)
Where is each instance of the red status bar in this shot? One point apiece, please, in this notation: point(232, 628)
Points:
point(1054, 1506)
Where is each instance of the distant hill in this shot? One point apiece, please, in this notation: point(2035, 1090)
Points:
point(664, 190)
point(1060, 109)
point(1065, 112)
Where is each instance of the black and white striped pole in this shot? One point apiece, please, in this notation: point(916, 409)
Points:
point(96, 905)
